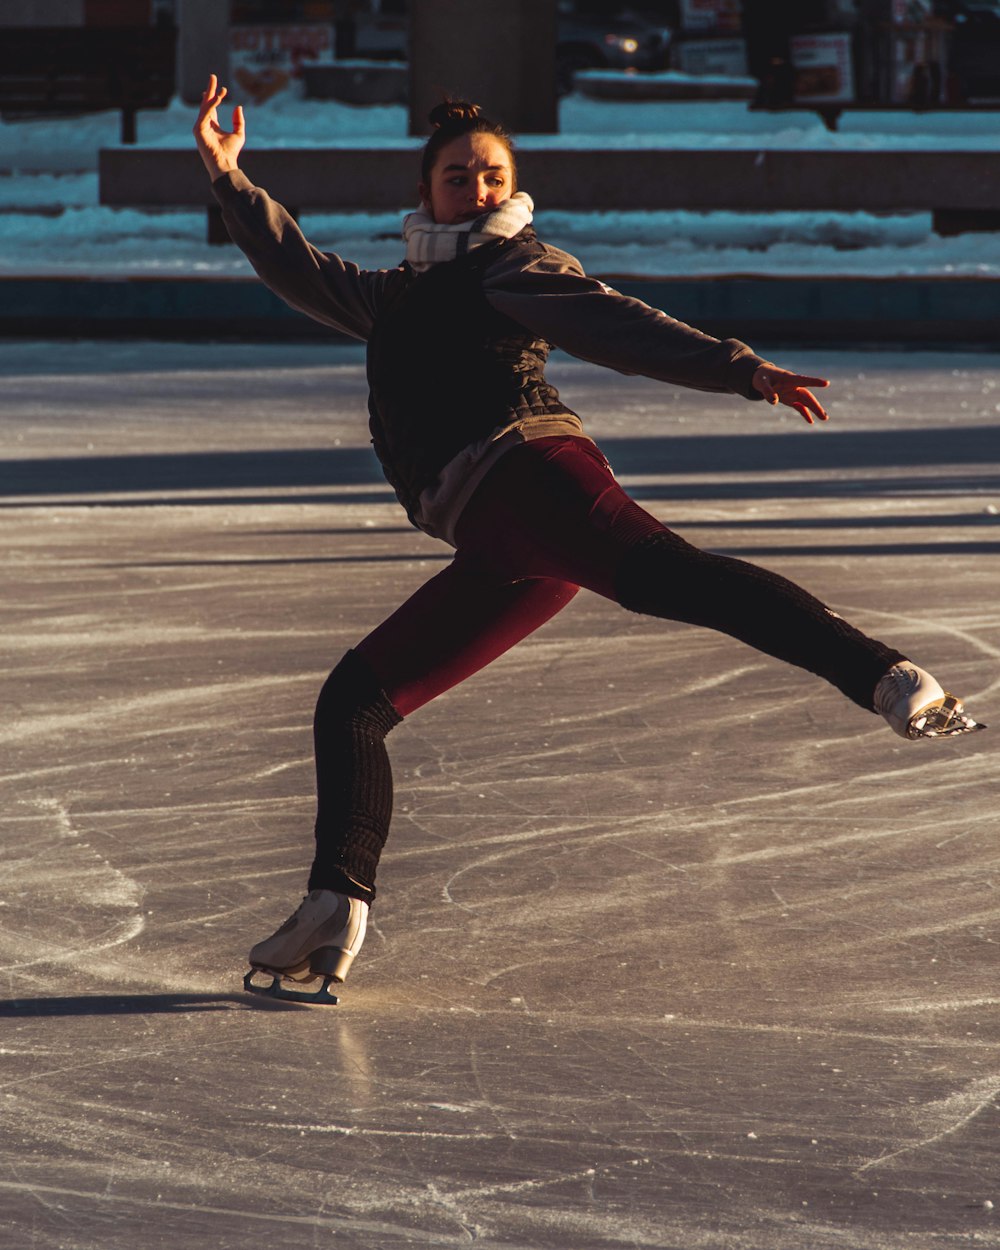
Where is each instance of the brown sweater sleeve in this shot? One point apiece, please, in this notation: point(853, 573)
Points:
point(553, 298)
point(319, 284)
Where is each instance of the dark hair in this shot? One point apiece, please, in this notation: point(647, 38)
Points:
point(453, 118)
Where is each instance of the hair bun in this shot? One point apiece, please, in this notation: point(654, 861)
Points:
point(451, 111)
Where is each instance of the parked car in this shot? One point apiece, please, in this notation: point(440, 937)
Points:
point(590, 42)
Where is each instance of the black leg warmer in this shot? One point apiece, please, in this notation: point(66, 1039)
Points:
point(353, 779)
point(667, 577)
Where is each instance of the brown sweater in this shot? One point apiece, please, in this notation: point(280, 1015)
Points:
point(539, 288)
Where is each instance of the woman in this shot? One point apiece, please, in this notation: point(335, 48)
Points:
point(483, 454)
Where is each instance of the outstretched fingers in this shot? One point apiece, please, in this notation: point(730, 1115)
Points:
point(781, 386)
point(206, 112)
point(805, 404)
point(219, 148)
point(808, 413)
point(211, 98)
point(213, 95)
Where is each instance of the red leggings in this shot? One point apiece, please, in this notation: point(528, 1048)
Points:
point(550, 518)
point(547, 519)
point(539, 526)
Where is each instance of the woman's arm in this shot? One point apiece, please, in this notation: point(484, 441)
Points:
point(554, 298)
point(321, 285)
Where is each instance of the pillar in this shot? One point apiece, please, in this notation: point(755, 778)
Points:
point(499, 54)
point(202, 46)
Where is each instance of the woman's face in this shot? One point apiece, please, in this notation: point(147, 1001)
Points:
point(472, 175)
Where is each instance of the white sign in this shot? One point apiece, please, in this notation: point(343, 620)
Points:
point(710, 15)
point(263, 60)
point(824, 72)
point(727, 57)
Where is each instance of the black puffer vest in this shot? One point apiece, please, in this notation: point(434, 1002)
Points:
point(445, 369)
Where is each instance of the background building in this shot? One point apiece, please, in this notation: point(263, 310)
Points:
point(923, 53)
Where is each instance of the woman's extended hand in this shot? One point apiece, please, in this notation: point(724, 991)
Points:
point(219, 149)
point(780, 386)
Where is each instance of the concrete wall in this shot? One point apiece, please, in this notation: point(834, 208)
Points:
point(498, 53)
point(577, 178)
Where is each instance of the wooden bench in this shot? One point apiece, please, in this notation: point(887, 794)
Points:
point(82, 69)
point(960, 189)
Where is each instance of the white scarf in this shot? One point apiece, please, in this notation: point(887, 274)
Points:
point(429, 244)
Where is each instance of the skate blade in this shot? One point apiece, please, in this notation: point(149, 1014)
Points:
point(280, 990)
point(946, 719)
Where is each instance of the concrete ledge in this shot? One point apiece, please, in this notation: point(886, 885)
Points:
point(606, 84)
point(815, 310)
point(583, 178)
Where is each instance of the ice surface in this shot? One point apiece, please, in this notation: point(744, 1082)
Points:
point(49, 166)
point(674, 948)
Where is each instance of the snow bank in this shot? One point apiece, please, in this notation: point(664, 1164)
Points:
point(51, 223)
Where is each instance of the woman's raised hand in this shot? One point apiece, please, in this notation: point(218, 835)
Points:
point(219, 149)
point(780, 386)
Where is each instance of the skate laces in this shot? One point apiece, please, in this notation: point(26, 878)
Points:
point(897, 684)
point(293, 919)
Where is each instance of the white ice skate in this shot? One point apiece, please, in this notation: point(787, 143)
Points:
point(916, 707)
point(314, 947)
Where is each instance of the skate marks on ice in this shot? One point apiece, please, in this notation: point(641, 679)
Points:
point(532, 1147)
point(90, 908)
point(774, 896)
point(674, 948)
point(528, 811)
point(939, 1120)
point(67, 910)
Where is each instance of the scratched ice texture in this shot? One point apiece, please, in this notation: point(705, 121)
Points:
point(674, 948)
